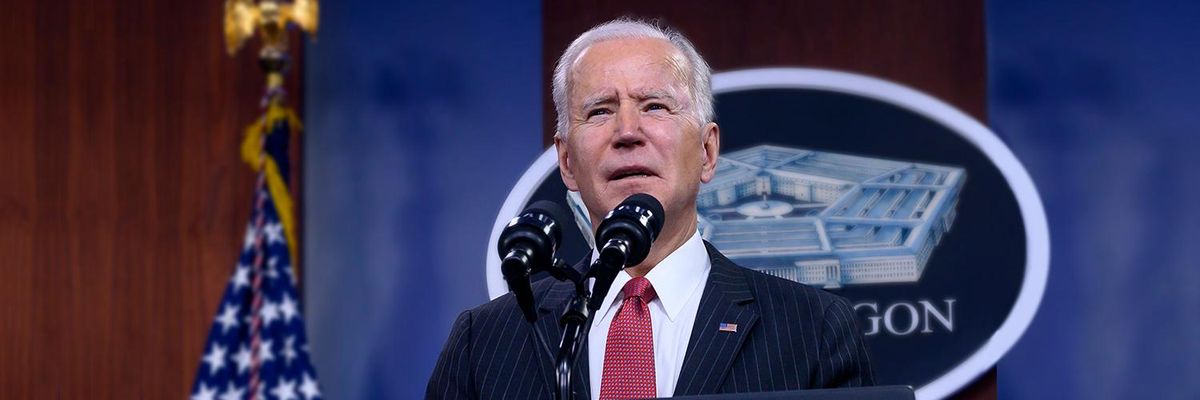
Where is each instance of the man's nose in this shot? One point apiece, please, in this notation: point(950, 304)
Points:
point(629, 128)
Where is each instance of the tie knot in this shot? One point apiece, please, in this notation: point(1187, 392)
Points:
point(639, 287)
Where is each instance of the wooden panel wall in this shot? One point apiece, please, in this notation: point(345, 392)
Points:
point(937, 46)
point(122, 197)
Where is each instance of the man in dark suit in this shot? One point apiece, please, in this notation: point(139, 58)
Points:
point(635, 115)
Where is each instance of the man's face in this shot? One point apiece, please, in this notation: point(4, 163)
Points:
point(632, 128)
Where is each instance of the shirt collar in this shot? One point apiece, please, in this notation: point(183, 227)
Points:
point(675, 278)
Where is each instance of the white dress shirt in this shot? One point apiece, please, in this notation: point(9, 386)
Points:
point(679, 281)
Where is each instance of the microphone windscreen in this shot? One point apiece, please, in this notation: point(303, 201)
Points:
point(550, 208)
point(648, 202)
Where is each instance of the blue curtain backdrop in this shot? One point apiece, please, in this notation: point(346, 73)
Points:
point(1099, 100)
point(420, 117)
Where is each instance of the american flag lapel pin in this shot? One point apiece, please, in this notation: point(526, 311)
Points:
point(727, 327)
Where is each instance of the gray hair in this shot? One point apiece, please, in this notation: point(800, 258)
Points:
point(699, 82)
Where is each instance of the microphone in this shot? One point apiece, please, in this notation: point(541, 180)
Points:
point(625, 236)
point(527, 245)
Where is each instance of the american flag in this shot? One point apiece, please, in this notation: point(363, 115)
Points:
point(263, 358)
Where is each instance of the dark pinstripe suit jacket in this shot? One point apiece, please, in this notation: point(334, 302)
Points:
point(789, 337)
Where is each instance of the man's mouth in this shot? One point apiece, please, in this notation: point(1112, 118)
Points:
point(631, 172)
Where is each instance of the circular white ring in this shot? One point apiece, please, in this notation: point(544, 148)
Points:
point(1037, 235)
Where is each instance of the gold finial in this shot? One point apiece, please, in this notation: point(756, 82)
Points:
point(271, 18)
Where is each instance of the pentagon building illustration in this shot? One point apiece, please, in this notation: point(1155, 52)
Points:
point(828, 219)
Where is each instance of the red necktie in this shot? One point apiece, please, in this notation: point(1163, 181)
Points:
point(629, 351)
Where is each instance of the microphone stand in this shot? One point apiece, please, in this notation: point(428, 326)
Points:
point(573, 322)
point(574, 319)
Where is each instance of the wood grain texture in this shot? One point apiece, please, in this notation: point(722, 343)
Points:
point(122, 196)
point(937, 46)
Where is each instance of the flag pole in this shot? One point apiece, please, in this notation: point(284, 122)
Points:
point(270, 20)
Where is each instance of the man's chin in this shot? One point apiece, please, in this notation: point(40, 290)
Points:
point(621, 189)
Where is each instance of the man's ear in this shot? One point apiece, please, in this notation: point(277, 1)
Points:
point(564, 163)
point(711, 145)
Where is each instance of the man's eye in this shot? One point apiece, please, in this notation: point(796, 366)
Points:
point(655, 107)
point(598, 111)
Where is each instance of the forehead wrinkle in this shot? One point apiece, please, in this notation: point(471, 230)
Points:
point(602, 98)
point(653, 93)
point(673, 59)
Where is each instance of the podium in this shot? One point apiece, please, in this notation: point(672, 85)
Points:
point(863, 393)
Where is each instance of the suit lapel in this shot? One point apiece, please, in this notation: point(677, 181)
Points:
point(726, 299)
point(546, 331)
